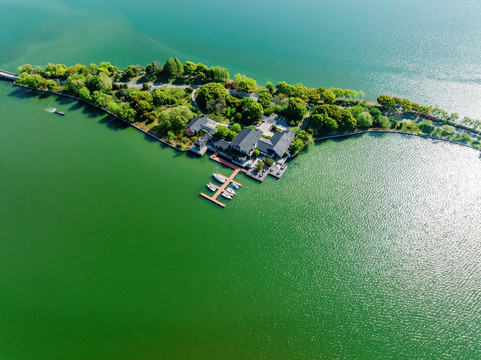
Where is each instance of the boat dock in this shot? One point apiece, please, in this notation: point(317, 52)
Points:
point(221, 189)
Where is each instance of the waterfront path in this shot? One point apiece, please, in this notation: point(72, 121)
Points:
point(8, 75)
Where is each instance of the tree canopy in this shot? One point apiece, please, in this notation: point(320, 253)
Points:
point(245, 83)
point(296, 109)
point(210, 91)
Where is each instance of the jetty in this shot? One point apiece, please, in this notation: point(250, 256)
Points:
point(220, 189)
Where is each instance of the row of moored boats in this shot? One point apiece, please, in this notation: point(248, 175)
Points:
point(229, 192)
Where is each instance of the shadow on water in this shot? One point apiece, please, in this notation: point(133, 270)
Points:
point(113, 123)
point(23, 93)
point(62, 100)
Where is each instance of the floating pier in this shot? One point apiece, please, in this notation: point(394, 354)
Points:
point(221, 189)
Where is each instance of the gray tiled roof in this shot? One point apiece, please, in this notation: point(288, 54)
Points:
point(220, 144)
point(200, 123)
point(247, 139)
point(277, 145)
point(281, 141)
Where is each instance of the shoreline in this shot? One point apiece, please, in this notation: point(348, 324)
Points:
point(316, 140)
point(103, 110)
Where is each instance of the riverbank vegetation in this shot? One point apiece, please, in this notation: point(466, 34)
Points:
point(145, 97)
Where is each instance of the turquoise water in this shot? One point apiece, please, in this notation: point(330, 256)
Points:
point(428, 51)
point(366, 248)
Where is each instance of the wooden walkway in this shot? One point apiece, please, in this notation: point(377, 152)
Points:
point(221, 189)
point(227, 163)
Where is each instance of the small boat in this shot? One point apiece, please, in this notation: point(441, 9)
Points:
point(211, 187)
point(220, 178)
point(230, 191)
point(235, 186)
point(58, 112)
point(227, 196)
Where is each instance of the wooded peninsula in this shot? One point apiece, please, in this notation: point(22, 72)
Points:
point(174, 101)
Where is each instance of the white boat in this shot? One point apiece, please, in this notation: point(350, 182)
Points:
point(220, 178)
point(227, 196)
point(230, 191)
point(211, 187)
point(235, 186)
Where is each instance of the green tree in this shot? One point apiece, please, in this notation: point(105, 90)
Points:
point(76, 82)
point(269, 86)
point(244, 83)
point(356, 110)
point(386, 101)
point(174, 120)
point(284, 88)
point(189, 68)
point(180, 68)
point(161, 97)
point(326, 117)
point(406, 105)
point(25, 68)
point(126, 112)
point(84, 93)
point(153, 71)
point(364, 120)
point(398, 103)
point(327, 96)
point(347, 93)
point(297, 145)
point(296, 109)
point(256, 153)
point(255, 111)
point(375, 113)
point(51, 85)
point(338, 92)
point(426, 126)
point(130, 72)
point(170, 69)
point(383, 122)
point(361, 94)
point(236, 127)
point(210, 91)
point(265, 99)
point(447, 130)
point(348, 122)
point(221, 131)
point(260, 164)
point(100, 82)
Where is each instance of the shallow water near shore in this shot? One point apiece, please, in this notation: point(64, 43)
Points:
point(368, 247)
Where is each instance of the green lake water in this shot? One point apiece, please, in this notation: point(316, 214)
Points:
point(367, 247)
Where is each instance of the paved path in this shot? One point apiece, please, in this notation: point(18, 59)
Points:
point(8, 75)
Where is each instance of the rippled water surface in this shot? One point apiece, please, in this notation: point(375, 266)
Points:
point(368, 247)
